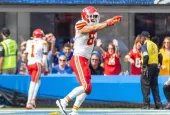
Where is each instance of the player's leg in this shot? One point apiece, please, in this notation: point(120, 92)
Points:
point(79, 100)
point(32, 72)
point(37, 84)
point(62, 103)
point(84, 79)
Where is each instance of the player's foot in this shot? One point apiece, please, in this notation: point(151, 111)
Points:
point(73, 113)
point(29, 106)
point(33, 103)
point(62, 106)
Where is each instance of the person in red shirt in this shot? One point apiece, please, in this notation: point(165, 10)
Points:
point(134, 57)
point(111, 58)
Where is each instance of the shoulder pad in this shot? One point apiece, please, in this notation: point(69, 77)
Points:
point(80, 24)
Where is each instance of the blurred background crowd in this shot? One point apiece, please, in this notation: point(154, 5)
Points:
point(59, 57)
point(59, 33)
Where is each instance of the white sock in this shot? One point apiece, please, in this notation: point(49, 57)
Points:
point(79, 100)
point(31, 91)
point(74, 93)
point(37, 85)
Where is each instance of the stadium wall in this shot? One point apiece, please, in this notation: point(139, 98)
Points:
point(105, 88)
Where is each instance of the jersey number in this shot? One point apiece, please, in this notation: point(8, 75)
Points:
point(137, 63)
point(91, 38)
point(32, 52)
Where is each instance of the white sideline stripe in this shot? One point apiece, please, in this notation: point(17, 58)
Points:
point(118, 112)
point(89, 110)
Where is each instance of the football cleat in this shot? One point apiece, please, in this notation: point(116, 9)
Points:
point(33, 103)
point(29, 106)
point(61, 106)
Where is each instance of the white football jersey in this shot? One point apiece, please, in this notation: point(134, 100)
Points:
point(35, 49)
point(84, 43)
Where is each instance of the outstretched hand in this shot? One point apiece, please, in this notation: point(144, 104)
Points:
point(115, 42)
point(113, 20)
point(99, 43)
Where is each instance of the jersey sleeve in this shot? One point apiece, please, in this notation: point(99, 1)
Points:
point(144, 50)
point(80, 24)
point(45, 47)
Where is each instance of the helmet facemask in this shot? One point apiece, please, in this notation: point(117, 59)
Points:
point(93, 18)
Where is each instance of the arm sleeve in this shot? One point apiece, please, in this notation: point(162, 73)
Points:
point(45, 47)
point(145, 55)
point(144, 49)
point(160, 58)
point(1, 51)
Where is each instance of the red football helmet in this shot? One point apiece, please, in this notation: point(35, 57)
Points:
point(38, 33)
point(90, 15)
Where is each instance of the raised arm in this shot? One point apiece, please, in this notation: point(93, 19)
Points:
point(115, 42)
point(100, 26)
point(98, 44)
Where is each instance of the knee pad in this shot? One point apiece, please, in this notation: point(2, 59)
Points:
point(88, 89)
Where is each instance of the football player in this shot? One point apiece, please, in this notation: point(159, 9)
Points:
point(36, 50)
point(85, 35)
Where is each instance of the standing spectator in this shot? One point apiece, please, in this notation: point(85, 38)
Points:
point(111, 58)
point(149, 78)
point(94, 66)
point(8, 53)
point(62, 67)
point(134, 56)
point(165, 51)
